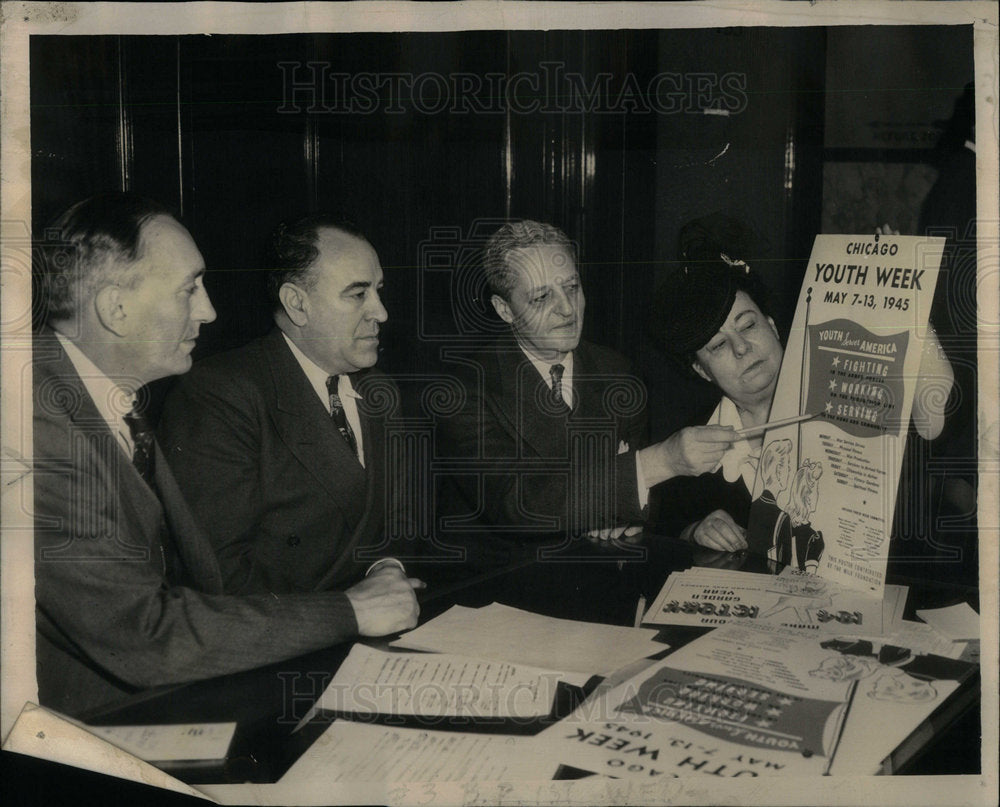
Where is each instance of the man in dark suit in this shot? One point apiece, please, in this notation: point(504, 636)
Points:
point(279, 446)
point(554, 425)
point(128, 591)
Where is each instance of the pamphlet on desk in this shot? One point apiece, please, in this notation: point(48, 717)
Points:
point(747, 700)
point(713, 597)
point(851, 361)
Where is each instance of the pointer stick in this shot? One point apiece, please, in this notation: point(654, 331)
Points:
point(753, 431)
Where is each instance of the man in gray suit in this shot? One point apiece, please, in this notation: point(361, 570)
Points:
point(128, 591)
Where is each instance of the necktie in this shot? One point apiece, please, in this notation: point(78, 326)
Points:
point(143, 453)
point(339, 415)
point(144, 460)
point(556, 371)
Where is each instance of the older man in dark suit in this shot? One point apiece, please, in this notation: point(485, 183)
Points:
point(553, 430)
point(279, 446)
point(128, 591)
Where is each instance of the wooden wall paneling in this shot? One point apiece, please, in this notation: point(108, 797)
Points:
point(76, 118)
point(418, 169)
point(151, 95)
point(769, 80)
point(574, 157)
point(244, 170)
point(619, 205)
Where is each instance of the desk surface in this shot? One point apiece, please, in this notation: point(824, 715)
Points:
point(579, 581)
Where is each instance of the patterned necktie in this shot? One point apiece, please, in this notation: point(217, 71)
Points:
point(556, 371)
point(339, 415)
point(144, 459)
point(143, 453)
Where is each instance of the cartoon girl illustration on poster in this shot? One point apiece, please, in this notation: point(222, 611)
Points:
point(796, 543)
point(775, 471)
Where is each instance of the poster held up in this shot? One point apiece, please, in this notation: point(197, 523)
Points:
point(825, 503)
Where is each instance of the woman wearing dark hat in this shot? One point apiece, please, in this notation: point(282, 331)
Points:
point(712, 317)
point(708, 317)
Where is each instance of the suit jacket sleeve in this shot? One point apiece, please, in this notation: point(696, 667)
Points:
point(101, 592)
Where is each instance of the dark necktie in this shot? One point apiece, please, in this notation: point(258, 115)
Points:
point(143, 453)
point(144, 460)
point(556, 371)
point(339, 415)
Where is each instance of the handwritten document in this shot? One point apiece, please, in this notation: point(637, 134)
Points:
point(437, 685)
point(521, 637)
point(362, 752)
point(361, 763)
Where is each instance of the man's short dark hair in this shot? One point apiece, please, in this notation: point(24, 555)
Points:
point(94, 243)
point(517, 235)
point(293, 250)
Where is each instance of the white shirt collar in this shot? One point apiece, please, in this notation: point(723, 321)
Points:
point(726, 414)
point(543, 368)
point(349, 398)
point(112, 401)
point(317, 376)
point(742, 459)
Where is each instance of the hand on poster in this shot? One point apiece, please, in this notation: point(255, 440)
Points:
point(934, 382)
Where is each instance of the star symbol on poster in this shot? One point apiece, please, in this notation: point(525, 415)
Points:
point(763, 723)
point(785, 701)
point(829, 407)
point(774, 711)
point(833, 385)
point(836, 361)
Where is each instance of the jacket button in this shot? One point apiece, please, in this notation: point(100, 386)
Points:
point(293, 540)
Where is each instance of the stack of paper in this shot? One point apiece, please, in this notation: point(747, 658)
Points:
point(521, 637)
point(957, 622)
point(358, 763)
point(180, 742)
point(358, 752)
point(713, 597)
point(437, 685)
point(755, 699)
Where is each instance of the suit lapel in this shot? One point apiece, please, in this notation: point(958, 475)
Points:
point(138, 501)
point(373, 439)
point(191, 544)
point(306, 428)
point(590, 386)
point(522, 392)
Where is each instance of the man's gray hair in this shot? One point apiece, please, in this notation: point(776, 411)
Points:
point(93, 244)
point(500, 276)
